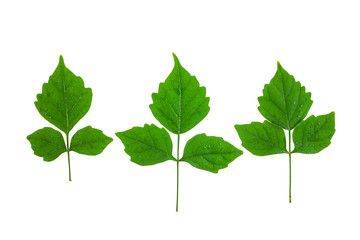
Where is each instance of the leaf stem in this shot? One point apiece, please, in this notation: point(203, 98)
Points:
point(289, 166)
point(68, 154)
point(177, 171)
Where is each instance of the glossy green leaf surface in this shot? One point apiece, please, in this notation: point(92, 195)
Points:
point(89, 141)
point(147, 145)
point(262, 139)
point(64, 99)
point(284, 101)
point(314, 134)
point(63, 102)
point(47, 143)
point(209, 153)
point(180, 103)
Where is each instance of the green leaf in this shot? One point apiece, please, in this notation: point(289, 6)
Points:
point(180, 103)
point(284, 101)
point(64, 99)
point(314, 134)
point(285, 104)
point(209, 153)
point(63, 102)
point(89, 141)
point(47, 143)
point(262, 138)
point(147, 145)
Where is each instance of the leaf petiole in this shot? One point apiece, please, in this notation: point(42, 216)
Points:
point(177, 172)
point(68, 154)
point(289, 166)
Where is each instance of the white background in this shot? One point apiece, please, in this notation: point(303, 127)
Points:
point(122, 50)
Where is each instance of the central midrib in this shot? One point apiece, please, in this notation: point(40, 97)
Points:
point(180, 96)
point(65, 103)
point(283, 93)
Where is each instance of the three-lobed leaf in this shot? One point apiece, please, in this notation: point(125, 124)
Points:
point(64, 99)
point(89, 141)
point(147, 145)
point(284, 101)
point(314, 134)
point(63, 102)
point(262, 138)
point(47, 143)
point(180, 103)
point(209, 153)
point(285, 104)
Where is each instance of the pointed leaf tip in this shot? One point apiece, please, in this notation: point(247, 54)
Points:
point(61, 60)
point(176, 59)
point(278, 64)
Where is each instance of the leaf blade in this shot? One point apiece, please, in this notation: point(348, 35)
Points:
point(89, 141)
point(314, 134)
point(147, 145)
point(64, 99)
point(47, 143)
point(209, 153)
point(262, 139)
point(180, 103)
point(284, 102)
